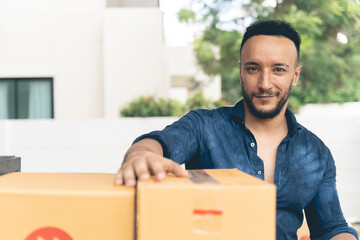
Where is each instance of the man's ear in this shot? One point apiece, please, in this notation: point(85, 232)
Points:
point(296, 75)
point(240, 71)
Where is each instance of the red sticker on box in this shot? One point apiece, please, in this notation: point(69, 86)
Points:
point(207, 212)
point(49, 233)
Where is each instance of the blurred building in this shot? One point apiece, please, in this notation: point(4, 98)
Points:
point(84, 59)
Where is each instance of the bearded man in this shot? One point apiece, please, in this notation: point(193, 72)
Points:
point(258, 135)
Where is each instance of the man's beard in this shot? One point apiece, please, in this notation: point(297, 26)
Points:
point(265, 114)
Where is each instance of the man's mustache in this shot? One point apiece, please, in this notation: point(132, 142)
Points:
point(267, 93)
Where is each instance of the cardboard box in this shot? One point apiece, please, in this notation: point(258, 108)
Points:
point(65, 206)
point(212, 204)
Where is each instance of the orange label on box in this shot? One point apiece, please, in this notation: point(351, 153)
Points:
point(49, 233)
point(205, 212)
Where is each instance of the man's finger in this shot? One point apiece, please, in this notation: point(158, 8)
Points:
point(173, 167)
point(157, 169)
point(119, 178)
point(129, 177)
point(141, 170)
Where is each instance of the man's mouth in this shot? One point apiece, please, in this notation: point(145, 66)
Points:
point(264, 96)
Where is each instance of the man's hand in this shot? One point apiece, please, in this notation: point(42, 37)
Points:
point(143, 159)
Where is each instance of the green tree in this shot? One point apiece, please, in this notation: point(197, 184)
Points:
point(330, 68)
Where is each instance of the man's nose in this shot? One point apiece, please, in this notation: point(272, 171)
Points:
point(264, 81)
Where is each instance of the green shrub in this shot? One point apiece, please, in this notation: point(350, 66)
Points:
point(151, 106)
point(199, 101)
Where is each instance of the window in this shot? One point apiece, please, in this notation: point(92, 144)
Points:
point(22, 98)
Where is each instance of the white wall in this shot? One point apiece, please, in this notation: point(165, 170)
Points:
point(60, 39)
point(181, 62)
point(133, 56)
point(73, 145)
point(99, 145)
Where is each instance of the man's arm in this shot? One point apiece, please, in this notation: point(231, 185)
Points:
point(324, 215)
point(344, 236)
point(144, 158)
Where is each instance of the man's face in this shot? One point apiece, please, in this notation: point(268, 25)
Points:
point(267, 73)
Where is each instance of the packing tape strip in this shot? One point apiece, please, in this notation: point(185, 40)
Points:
point(200, 176)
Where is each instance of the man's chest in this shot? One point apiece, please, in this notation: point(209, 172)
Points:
point(267, 151)
point(295, 169)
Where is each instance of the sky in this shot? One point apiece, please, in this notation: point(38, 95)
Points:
point(182, 34)
point(176, 33)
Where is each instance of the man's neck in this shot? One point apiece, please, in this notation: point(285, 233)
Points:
point(270, 126)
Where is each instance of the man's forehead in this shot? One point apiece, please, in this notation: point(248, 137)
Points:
point(269, 38)
point(278, 48)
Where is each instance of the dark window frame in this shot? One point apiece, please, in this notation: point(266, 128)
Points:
point(16, 81)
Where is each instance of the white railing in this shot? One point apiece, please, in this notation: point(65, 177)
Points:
point(99, 145)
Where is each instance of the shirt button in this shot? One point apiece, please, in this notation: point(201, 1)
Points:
point(259, 172)
point(252, 144)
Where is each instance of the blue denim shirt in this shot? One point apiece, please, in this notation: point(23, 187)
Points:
point(304, 170)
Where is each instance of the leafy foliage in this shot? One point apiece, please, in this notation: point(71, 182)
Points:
point(199, 101)
point(151, 107)
point(330, 68)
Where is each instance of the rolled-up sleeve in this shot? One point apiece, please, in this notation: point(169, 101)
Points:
point(180, 140)
point(323, 214)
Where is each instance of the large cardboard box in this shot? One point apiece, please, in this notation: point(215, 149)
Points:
point(39, 206)
point(212, 204)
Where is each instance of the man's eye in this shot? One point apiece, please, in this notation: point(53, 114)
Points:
point(252, 69)
point(280, 70)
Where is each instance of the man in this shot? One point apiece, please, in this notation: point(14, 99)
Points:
point(259, 135)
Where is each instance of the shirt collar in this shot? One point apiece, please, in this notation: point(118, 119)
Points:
point(237, 114)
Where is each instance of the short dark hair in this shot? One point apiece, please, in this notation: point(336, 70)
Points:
point(273, 28)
